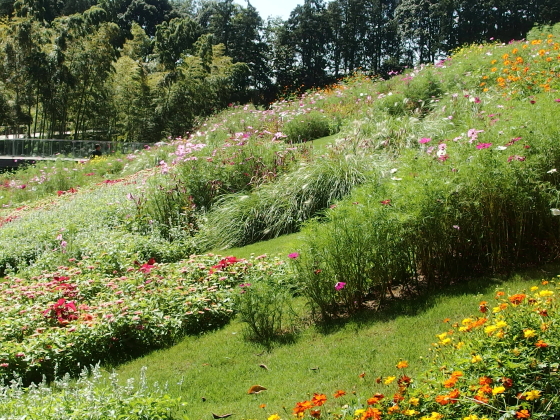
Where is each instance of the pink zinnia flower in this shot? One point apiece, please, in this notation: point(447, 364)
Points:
point(293, 255)
point(424, 140)
point(339, 285)
point(481, 146)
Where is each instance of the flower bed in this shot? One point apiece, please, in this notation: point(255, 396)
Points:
point(501, 364)
point(77, 316)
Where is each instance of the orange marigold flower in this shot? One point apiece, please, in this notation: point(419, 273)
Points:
point(482, 307)
point(318, 399)
point(397, 398)
point(498, 294)
point(448, 398)
point(485, 380)
point(485, 389)
point(523, 414)
point(393, 409)
point(371, 413)
point(339, 393)
point(404, 381)
point(315, 414)
point(375, 399)
point(302, 406)
point(541, 344)
point(480, 399)
point(450, 383)
point(507, 382)
point(517, 298)
point(402, 364)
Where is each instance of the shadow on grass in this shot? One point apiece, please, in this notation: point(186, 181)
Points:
point(427, 298)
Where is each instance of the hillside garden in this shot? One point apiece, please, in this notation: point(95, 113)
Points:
point(378, 194)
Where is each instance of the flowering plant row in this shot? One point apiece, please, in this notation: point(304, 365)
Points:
point(78, 316)
point(501, 364)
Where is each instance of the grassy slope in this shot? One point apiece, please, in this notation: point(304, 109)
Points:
point(213, 372)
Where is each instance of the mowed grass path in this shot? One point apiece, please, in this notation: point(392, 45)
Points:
point(213, 372)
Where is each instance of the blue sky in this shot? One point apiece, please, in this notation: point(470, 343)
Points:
point(267, 8)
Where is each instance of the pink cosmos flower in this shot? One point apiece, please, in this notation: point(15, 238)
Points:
point(424, 140)
point(481, 146)
point(339, 285)
point(293, 255)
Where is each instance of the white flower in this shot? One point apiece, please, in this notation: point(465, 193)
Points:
point(552, 171)
point(555, 212)
point(501, 148)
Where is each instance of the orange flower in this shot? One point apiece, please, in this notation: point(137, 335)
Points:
point(404, 381)
point(402, 364)
point(523, 414)
point(393, 409)
point(301, 407)
point(375, 399)
point(315, 414)
point(339, 393)
point(371, 413)
point(517, 299)
point(450, 383)
point(482, 307)
point(397, 398)
point(480, 399)
point(507, 382)
point(541, 344)
point(262, 406)
point(485, 380)
point(498, 294)
point(318, 399)
point(448, 398)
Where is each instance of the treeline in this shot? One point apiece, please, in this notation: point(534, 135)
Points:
point(141, 70)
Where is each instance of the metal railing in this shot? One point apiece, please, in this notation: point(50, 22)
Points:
point(52, 148)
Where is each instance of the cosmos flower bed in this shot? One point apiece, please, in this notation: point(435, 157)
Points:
point(500, 364)
point(61, 321)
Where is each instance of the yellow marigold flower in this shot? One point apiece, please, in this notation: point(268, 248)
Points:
point(441, 336)
point(545, 293)
point(505, 56)
point(459, 345)
point(534, 288)
point(536, 42)
point(476, 358)
point(466, 321)
point(493, 69)
point(501, 324)
point(525, 46)
point(498, 390)
point(414, 401)
point(490, 329)
point(519, 60)
point(410, 412)
point(446, 341)
point(389, 380)
point(274, 417)
point(500, 334)
point(528, 333)
point(533, 395)
point(542, 52)
point(359, 411)
point(515, 50)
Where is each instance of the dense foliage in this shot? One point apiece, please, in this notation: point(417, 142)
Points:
point(143, 70)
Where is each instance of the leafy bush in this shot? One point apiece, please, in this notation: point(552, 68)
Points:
point(310, 126)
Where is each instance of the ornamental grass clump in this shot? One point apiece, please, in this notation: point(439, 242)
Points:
point(283, 206)
point(499, 364)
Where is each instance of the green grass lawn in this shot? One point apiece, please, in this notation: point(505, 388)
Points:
point(213, 372)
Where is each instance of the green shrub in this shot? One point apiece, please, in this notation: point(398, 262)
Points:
point(310, 126)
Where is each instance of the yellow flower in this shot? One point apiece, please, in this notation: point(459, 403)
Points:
point(500, 334)
point(410, 412)
point(274, 417)
point(490, 329)
point(533, 395)
point(414, 401)
point(498, 390)
point(545, 293)
point(534, 288)
point(501, 324)
point(467, 321)
point(476, 358)
point(441, 336)
point(359, 411)
point(459, 345)
point(529, 333)
point(389, 380)
point(446, 341)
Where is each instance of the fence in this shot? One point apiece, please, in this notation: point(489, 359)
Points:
point(77, 149)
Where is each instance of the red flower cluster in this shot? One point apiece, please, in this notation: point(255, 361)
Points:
point(64, 311)
point(224, 263)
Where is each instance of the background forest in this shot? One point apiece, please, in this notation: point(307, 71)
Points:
point(143, 70)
